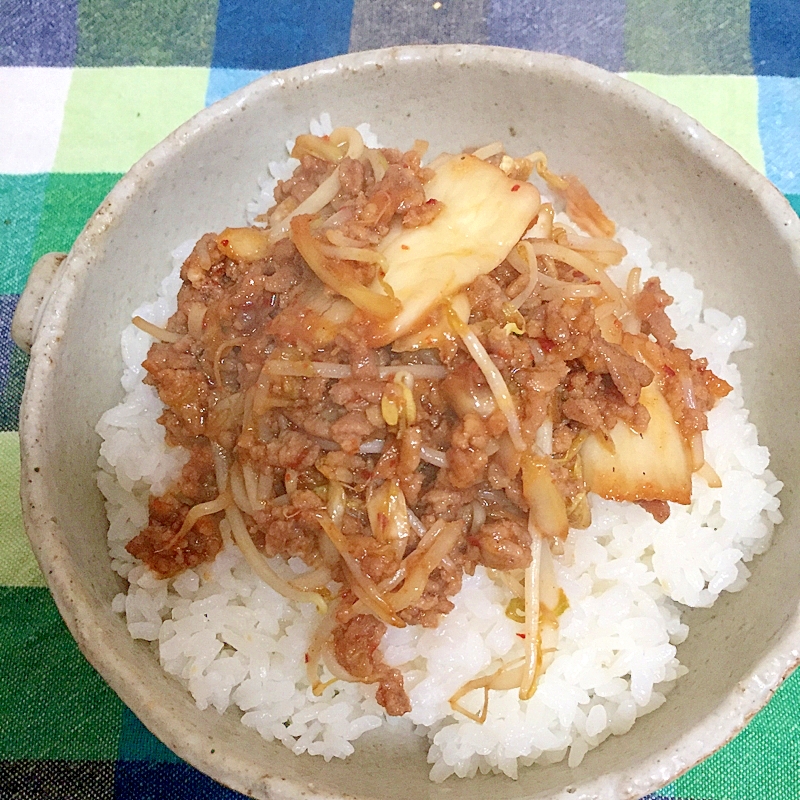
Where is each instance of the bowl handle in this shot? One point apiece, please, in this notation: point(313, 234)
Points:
point(33, 299)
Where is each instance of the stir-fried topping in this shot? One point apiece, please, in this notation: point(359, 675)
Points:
point(483, 214)
point(405, 372)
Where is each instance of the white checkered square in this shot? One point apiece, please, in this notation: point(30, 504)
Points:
point(32, 103)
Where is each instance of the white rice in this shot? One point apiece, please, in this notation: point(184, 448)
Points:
point(232, 641)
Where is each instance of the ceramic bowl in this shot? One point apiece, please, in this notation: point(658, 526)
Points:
point(651, 167)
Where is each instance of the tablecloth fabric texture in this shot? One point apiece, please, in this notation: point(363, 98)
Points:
point(88, 86)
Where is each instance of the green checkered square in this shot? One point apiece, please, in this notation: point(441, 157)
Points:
point(11, 392)
point(21, 201)
point(136, 743)
point(53, 705)
point(765, 754)
point(68, 203)
point(725, 104)
point(18, 567)
point(158, 33)
point(688, 36)
point(114, 116)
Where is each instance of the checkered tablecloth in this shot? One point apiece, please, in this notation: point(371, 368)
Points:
point(87, 86)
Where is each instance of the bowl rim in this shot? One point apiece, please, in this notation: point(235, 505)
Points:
point(63, 575)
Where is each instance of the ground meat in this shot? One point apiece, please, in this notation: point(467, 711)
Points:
point(504, 545)
point(446, 503)
point(305, 181)
point(584, 411)
point(283, 270)
point(399, 190)
point(467, 457)
point(377, 560)
point(181, 384)
point(563, 437)
point(658, 508)
point(443, 583)
point(351, 177)
point(435, 602)
point(424, 214)
point(650, 304)
point(288, 530)
point(403, 187)
point(487, 299)
point(356, 648)
point(690, 388)
point(356, 395)
point(343, 467)
point(410, 453)
point(351, 430)
point(292, 450)
point(202, 259)
point(159, 544)
point(628, 374)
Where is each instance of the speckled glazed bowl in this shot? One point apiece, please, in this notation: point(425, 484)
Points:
point(652, 168)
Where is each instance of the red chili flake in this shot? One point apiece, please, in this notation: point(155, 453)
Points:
point(546, 344)
point(404, 247)
point(521, 635)
point(224, 242)
point(474, 541)
point(306, 658)
point(431, 202)
point(515, 187)
point(668, 371)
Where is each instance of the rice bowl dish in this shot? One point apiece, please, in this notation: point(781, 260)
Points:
point(232, 640)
